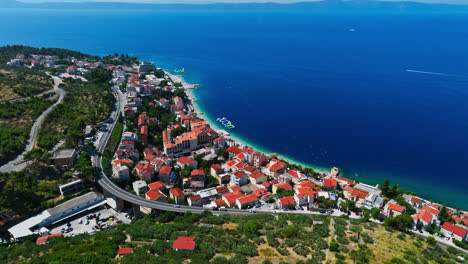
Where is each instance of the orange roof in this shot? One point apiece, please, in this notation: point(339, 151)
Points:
point(184, 243)
point(283, 185)
point(176, 192)
point(222, 189)
point(306, 183)
point(359, 193)
point(165, 170)
point(415, 199)
point(286, 200)
point(260, 192)
point(233, 149)
point(156, 185)
point(395, 207)
point(123, 251)
point(144, 130)
point(348, 189)
point(235, 188)
point(250, 169)
point(197, 172)
point(329, 182)
point(216, 167)
point(230, 197)
point(424, 216)
point(239, 174)
point(195, 197)
point(306, 190)
point(457, 230)
point(186, 160)
point(431, 210)
point(277, 166)
point(231, 163)
point(257, 175)
point(247, 199)
point(219, 202)
point(350, 182)
point(153, 194)
point(43, 239)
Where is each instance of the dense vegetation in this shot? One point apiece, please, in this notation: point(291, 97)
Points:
point(16, 120)
point(8, 52)
point(237, 239)
point(23, 193)
point(86, 103)
point(21, 82)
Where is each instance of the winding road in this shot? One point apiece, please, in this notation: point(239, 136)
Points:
point(18, 163)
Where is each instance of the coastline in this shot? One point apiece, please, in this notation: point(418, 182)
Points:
point(197, 109)
point(189, 89)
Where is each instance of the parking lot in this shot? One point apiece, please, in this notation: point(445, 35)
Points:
point(91, 222)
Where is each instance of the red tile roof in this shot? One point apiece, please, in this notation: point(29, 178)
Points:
point(257, 175)
point(216, 167)
point(306, 183)
point(395, 207)
point(156, 185)
point(195, 197)
point(295, 173)
point(239, 174)
point(165, 170)
point(123, 251)
point(283, 185)
point(222, 189)
point(43, 239)
point(144, 130)
point(348, 189)
point(219, 202)
point(233, 149)
point(286, 200)
point(235, 188)
point(359, 193)
point(459, 231)
point(153, 194)
point(186, 160)
point(176, 192)
point(415, 199)
point(277, 166)
point(184, 243)
point(247, 199)
point(350, 182)
point(327, 182)
point(197, 172)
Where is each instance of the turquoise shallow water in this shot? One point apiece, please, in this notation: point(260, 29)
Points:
point(301, 84)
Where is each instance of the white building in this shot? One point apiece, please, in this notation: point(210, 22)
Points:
point(140, 187)
point(56, 214)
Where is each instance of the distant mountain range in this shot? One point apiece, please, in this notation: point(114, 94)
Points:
point(328, 4)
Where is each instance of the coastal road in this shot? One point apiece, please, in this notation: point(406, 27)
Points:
point(18, 163)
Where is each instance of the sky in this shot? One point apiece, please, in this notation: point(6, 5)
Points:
point(464, 2)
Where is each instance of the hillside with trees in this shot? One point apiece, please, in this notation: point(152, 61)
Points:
point(228, 239)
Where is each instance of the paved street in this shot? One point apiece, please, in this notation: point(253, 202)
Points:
point(17, 163)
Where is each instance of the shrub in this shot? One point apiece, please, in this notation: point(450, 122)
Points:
point(342, 240)
point(334, 246)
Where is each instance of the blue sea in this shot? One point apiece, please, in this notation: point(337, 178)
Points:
point(381, 95)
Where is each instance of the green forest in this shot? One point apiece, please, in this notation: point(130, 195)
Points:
point(257, 238)
point(85, 103)
point(16, 120)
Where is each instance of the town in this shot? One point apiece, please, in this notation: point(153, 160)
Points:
point(167, 152)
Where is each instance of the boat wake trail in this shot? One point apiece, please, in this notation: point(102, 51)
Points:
point(436, 73)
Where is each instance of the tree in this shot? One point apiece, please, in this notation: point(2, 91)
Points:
point(400, 222)
point(443, 215)
point(431, 241)
point(385, 186)
point(375, 212)
point(250, 228)
point(334, 246)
